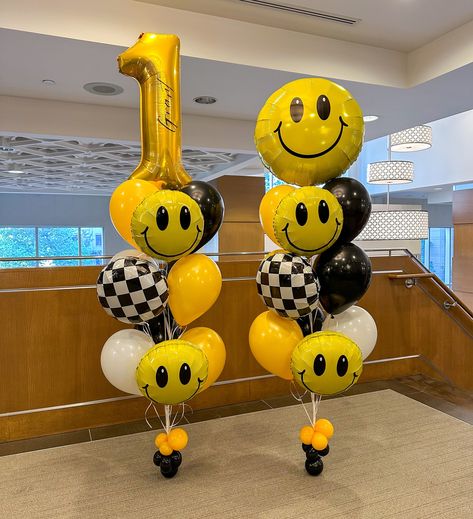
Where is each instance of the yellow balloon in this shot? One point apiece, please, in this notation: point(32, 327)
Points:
point(308, 221)
point(324, 426)
point(168, 225)
point(212, 345)
point(125, 199)
point(309, 131)
point(268, 205)
point(178, 439)
point(154, 62)
point(272, 341)
point(319, 441)
point(326, 363)
point(172, 372)
point(194, 284)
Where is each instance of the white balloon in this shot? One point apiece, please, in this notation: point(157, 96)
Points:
point(357, 324)
point(120, 357)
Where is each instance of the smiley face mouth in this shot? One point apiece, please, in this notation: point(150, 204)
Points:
point(310, 155)
point(311, 250)
point(200, 381)
point(301, 373)
point(145, 234)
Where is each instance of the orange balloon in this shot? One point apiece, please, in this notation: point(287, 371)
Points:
point(212, 345)
point(194, 284)
point(306, 434)
point(319, 441)
point(177, 439)
point(165, 449)
point(268, 206)
point(272, 341)
point(125, 199)
point(325, 427)
point(160, 439)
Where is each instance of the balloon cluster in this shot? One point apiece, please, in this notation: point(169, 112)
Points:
point(160, 286)
point(309, 132)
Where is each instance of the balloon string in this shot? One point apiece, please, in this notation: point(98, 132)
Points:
point(315, 406)
point(295, 393)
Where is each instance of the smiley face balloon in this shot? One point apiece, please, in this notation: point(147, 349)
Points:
point(309, 131)
point(172, 372)
point(167, 225)
point(308, 221)
point(326, 363)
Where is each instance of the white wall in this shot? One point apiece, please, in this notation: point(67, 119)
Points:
point(61, 210)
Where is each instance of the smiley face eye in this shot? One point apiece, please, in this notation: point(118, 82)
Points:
point(185, 374)
point(324, 212)
point(162, 218)
point(342, 366)
point(323, 107)
point(161, 376)
point(185, 217)
point(301, 214)
point(296, 109)
point(319, 365)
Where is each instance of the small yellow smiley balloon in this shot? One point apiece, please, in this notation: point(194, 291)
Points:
point(326, 363)
point(309, 131)
point(172, 372)
point(308, 221)
point(167, 225)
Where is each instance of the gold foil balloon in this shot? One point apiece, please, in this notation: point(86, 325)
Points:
point(308, 221)
point(326, 363)
point(167, 225)
point(172, 372)
point(309, 131)
point(268, 206)
point(154, 62)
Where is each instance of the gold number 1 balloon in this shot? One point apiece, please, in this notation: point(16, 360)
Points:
point(154, 62)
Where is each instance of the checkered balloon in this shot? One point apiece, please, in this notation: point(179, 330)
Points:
point(288, 285)
point(132, 290)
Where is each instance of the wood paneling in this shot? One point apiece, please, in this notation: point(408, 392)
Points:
point(463, 258)
point(462, 210)
point(51, 343)
point(238, 236)
point(242, 197)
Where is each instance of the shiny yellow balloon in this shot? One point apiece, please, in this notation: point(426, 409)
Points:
point(177, 439)
point(167, 224)
point(154, 62)
point(306, 434)
point(172, 372)
point(326, 363)
point(268, 206)
point(125, 199)
point(272, 341)
point(194, 284)
point(309, 131)
point(212, 345)
point(319, 441)
point(165, 449)
point(308, 221)
point(324, 426)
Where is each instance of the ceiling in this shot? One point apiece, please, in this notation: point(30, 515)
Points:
point(402, 25)
point(46, 165)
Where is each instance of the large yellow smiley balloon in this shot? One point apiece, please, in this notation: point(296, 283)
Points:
point(308, 221)
point(309, 131)
point(172, 372)
point(326, 363)
point(167, 225)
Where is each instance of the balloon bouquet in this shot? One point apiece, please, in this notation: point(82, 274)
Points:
point(309, 132)
point(161, 287)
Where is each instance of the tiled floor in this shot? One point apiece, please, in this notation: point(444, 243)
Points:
point(433, 393)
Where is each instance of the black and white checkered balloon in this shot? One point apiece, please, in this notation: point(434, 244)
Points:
point(132, 290)
point(288, 285)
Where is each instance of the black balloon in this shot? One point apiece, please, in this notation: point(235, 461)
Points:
point(312, 454)
point(157, 458)
point(344, 274)
point(304, 322)
point(176, 459)
point(356, 206)
point(306, 447)
point(157, 328)
point(314, 468)
point(211, 204)
point(168, 470)
point(325, 451)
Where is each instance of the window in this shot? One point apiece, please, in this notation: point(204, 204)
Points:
point(50, 243)
point(437, 253)
point(271, 181)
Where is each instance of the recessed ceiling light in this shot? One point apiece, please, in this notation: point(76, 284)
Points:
point(14, 171)
point(370, 118)
point(438, 188)
point(205, 100)
point(103, 89)
point(48, 82)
